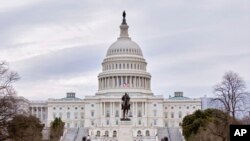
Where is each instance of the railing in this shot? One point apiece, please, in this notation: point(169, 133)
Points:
point(76, 134)
point(64, 132)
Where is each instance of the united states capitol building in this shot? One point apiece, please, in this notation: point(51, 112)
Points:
point(124, 69)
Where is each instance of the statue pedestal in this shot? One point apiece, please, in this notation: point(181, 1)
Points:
point(125, 131)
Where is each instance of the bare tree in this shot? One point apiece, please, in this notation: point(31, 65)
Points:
point(231, 92)
point(8, 106)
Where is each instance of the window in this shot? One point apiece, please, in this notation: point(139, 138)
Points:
point(54, 108)
point(92, 113)
point(187, 107)
point(116, 122)
point(107, 122)
point(139, 122)
point(166, 115)
point(179, 107)
point(180, 114)
point(172, 115)
point(138, 133)
point(82, 115)
point(54, 115)
point(154, 105)
point(92, 105)
point(139, 113)
point(68, 108)
point(75, 108)
point(82, 108)
point(193, 107)
point(107, 113)
point(60, 108)
point(172, 107)
point(68, 115)
point(147, 133)
point(92, 123)
point(116, 113)
point(76, 115)
point(68, 125)
point(114, 134)
point(98, 133)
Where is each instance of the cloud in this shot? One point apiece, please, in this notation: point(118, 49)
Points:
point(59, 46)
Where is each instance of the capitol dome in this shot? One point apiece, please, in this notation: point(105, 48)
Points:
point(124, 69)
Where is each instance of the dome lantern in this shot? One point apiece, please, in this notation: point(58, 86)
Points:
point(124, 27)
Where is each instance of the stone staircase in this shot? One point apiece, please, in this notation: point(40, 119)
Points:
point(70, 135)
point(81, 133)
point(175, 134)
point(163, 132)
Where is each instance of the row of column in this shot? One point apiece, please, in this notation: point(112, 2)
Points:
point(124, 66)
point(124, 82)
point(38, 113)
point(111, 107)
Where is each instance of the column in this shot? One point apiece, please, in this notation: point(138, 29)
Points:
point(148, 83)
point(113, 108)
point(130, 81)
point(139, 82)
point(113, 82)
point(117, 82)
point(107, 82)
point(126, 80)
point(104, 109)
point(136, 112)
point(144, 108)
point(110, 109)
point(121, 81)
point(146, 111)
point(102, 83)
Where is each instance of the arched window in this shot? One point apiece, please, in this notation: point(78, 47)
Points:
point(139, 133)
point(147, 133)
point(114, 134)
point(98, 133)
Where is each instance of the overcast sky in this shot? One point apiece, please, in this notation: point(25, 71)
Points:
point(58, 46)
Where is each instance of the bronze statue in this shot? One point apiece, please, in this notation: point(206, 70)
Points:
point(124, 14)
point(124, 18)
point(125, 106)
